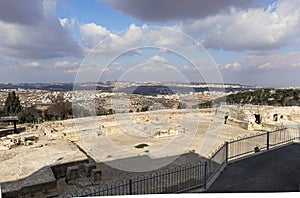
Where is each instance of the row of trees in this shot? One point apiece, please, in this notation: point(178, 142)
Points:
point(280, 97)
point(59, 109)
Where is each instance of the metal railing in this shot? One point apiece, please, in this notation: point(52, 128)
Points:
point(261, 141)
point(184, 178)
point(179, 179)
point(217, 160)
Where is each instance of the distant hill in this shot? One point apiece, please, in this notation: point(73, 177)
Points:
point(280, 97)
point(142, 89)
point(57, 86)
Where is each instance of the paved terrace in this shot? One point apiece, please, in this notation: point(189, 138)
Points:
point(277, 170)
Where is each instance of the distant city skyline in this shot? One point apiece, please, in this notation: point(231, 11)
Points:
point(249, 42)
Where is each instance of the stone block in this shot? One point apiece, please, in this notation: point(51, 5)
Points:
point(96, 176)
point(72, 173)
point(88, 169)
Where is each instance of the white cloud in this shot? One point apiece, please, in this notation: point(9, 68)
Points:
point(268, 61)
point(295, 64)
point(68, 24)
point(112, 43)
point(158, 59)
point(131, 40)
point(67, 67)
point(92, 34)
point(32, 64)
point(71, 71)
point(234, 66)
point(253, 28)
point(65, 64)
point(133, 52)
point(267, 65)
point(268, 69)
point(47, 38)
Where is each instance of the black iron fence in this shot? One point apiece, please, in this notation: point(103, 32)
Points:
point(216, 161)
point(184, 178)
point(179, 179)
point(248, 145)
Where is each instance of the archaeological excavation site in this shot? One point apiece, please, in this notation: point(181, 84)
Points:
point(54, 159)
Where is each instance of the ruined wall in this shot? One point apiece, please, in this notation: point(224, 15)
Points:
point(238, 123)
point(255, 117)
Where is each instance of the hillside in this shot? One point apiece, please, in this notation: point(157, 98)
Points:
point(280, 97)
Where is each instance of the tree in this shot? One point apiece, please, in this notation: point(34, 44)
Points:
point(59, 109)
point(48, 115)
point(29, 114)
point(145, 108)
point(12, 104)
point(2, 111)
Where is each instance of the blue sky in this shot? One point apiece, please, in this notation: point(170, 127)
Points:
point(246, 42)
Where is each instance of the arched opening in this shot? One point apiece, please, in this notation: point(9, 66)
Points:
point(257, 118)
point(275, 117)
point(226, 117)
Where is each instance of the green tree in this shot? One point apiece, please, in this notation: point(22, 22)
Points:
point(29, 114)
point(2, 111)
point(145, 108)
point(12, 104)
point(59, 109)
point(48, 115)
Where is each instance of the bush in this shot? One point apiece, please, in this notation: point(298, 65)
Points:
point(145, 108)
point(29, 114)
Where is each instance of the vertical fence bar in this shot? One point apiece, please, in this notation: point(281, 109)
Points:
point(205, 174)
point(130, 186)
point(268, 140)
point(226, 150)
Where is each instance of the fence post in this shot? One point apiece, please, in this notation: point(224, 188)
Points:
point(268, 140)
point(226, 149)
point(205, 174)
point(130, 186)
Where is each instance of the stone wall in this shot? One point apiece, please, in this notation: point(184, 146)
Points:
point(238, 123)
point(260, 117)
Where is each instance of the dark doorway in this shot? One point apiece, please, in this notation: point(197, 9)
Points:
point(257, 118)
point(275, 117)
point(226, 117)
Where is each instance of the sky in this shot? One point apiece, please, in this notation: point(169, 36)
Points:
point(253, 42)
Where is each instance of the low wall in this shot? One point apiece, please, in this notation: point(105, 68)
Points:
point(38, 190)
point(39, 183)
point(59, 170)
point(237, 123)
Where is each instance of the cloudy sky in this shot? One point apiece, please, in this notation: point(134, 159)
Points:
point(255, 42)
